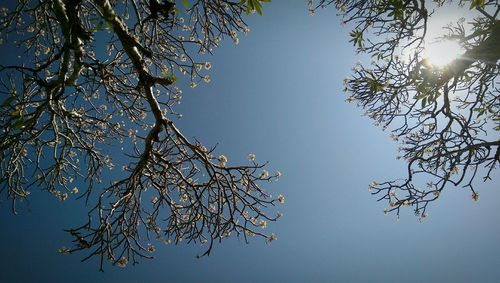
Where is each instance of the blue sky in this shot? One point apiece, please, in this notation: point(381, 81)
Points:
point(278, 94)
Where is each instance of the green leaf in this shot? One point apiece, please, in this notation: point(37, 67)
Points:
point(253, 5)
point(98, 26)
point(19, 123)
point(480, 112)
point(16, 113)
point(398, 14)
point(477, 4)
point(357, 38)
point(250, 7)
point(172, 78)
point(109, 25)
point(424, 102)
point(257, 6)
point(185, 4)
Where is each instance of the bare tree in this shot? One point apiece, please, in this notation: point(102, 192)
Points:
point(446, 118)
point(91, 75)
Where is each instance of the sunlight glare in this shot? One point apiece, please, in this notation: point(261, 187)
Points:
point(441, 53)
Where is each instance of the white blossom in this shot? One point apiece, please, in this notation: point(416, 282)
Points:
point(251, 157)
point(122, 262)
point(281, 198)
point(272, 238)
point(222, 160)
point(264, 174)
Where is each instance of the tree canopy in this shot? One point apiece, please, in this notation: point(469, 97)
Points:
point(446, 119)
point(91, 99)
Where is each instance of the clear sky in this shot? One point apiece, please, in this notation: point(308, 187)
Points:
point(278, 94)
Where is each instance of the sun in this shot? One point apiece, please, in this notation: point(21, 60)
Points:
point(441, 53)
